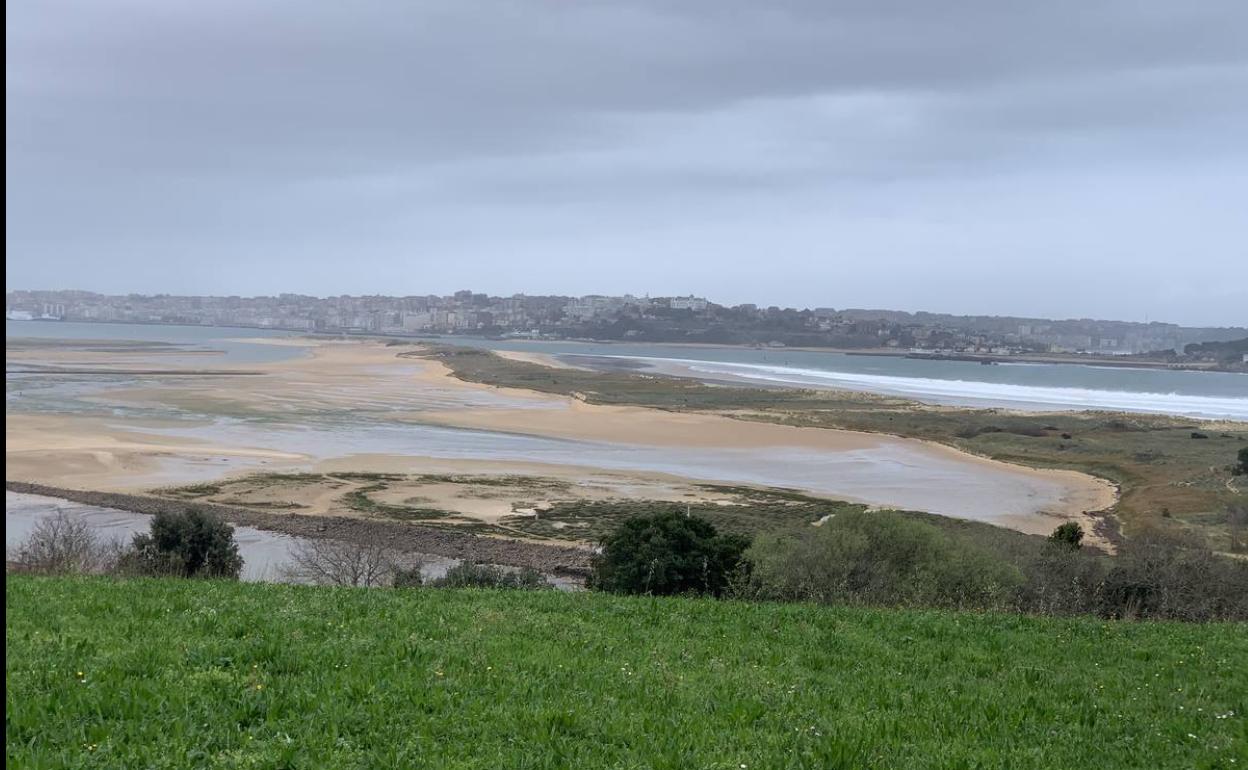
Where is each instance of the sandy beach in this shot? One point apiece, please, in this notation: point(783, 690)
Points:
point(155, 432)
point(541, 359)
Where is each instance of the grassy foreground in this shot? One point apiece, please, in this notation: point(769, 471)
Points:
point(177, 674)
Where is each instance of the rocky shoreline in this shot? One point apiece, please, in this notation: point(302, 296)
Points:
point(550, 559)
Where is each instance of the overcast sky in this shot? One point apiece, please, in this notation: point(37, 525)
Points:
point(1058, 158)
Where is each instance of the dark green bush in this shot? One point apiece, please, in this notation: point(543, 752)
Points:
point(665, 554)
point(1069, 535)
point(189, 544)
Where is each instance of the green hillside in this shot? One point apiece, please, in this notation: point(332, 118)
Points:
point(176, 674)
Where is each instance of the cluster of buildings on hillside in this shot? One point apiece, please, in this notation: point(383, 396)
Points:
point(462, 312)
point(657, 319)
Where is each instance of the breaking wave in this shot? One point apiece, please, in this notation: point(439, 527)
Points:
point(970, 392)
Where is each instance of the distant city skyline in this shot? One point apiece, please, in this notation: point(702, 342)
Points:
point(1060, 159)
point(392, 293)
point(637, 318)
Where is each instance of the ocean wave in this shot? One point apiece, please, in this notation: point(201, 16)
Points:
point(973, 392)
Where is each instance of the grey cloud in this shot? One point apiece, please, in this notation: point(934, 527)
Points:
point(291, 132)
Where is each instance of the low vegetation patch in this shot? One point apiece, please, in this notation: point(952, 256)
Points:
point(737, 513)
point(887, 558)
point(506, 480)
point(359, 500)
point(163, 674)
point(193, 491)
point(881, 559)
point(364, 476)
point(470, 575)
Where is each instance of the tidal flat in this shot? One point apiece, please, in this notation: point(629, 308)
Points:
point(366, 406)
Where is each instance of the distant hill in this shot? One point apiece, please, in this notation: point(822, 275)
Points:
point(1233, 350)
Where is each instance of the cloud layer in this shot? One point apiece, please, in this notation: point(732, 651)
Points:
point(1062, 158)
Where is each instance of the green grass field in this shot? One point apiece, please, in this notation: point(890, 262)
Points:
point(179, 674)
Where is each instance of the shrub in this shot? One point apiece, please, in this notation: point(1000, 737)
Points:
point(62, 544)
point(189, 544)
point(408, 577)
point(1069, 535)
point(880, 558)
point(1157, 575)
point(667, 553)
point(1161, 574)
point(1060, 580)
point(1243, 461)
point(143, 559)
point(343, 563)
point(470, 575)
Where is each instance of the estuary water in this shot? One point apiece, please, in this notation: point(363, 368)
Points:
point(204, 345)
point(1021, 386)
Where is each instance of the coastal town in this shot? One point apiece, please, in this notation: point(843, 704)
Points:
point(684, 319)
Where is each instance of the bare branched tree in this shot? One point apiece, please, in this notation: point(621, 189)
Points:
point(342, 563)
point(65, 544)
